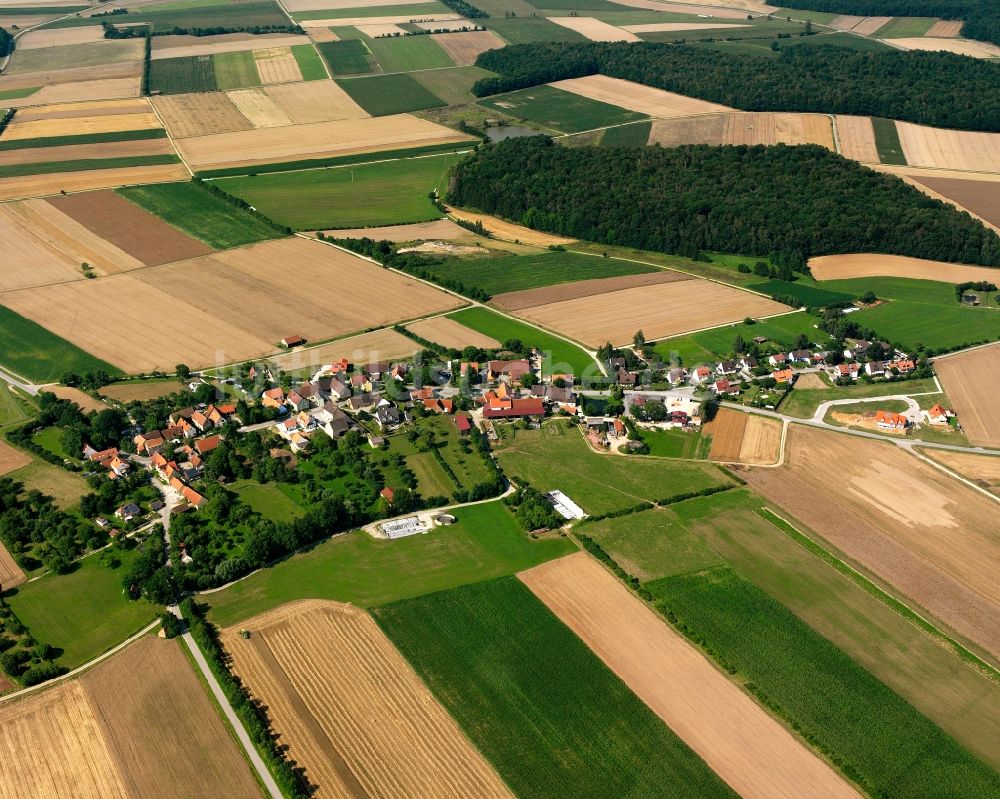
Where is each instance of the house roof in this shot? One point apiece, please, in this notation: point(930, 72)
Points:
point(463, 423)
point(531, 406)
point(205, 445)
point(388, 494)
point(937, 410)
point(888, 417)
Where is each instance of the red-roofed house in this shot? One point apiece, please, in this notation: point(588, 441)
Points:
point(514, 408)
point(387, 494)
point(890, 421)
point(463, 423)
point(194, 499)
point(206, 445)
point(783, 375)
point(938, 414)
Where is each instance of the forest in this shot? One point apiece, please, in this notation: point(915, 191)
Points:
point(939, 89)
point(789, 203)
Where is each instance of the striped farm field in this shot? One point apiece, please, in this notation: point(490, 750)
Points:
point(636, 97)
point(739, 437)
point(745, 128)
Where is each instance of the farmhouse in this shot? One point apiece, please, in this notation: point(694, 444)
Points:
point(292, 341)
point(510, 371)
point(938, 414)
point(890, 421)
point(495, 407)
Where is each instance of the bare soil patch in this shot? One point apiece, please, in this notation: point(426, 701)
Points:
point(421, 231)
point(966, 47)
point(843, 267)
point(314, 101)
point(351, 710)
point(45, 185)
point(379, 345)
point(945, 29)
point(811, 381)
point(595, 30)
point(981, 197)
point(200, 114)
point(12, 458)
point(737, 738)
point(464, 48)
point(322, 139)
point(972, 382)
point(949, 149)
point(183, 46)
point(528, 298)
point(857, 139)
point(636, 97)
point(83, 401)
point(929, 536)
point(508, 230)
point(140, 234)
point(260, 109)
point(449, 333)
point(277, 65)
point(983, 470)
point(662, 310)
point(140, 390)
point(121, 149)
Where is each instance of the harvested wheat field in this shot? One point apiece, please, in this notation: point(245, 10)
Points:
point(74, 126)
point(464, 48)
point(12, 458)
point(945, 29)
point(322, 35)
point(663, 310)
point(44, 185)
point(508, 230)
point(260, 109)
point(636, 97)
point(744, 128)
point(379, 345)
point(333, 292)
point(737, 738)
point(335, 5)
point(843, 267)
point(857, 139)
point(84, 90)
point(949, 149)
point(676, 8)
point(980, 197)
point(972, 382)
point(454, 335)
point(91, 54)
point(846, 22)
point(34, 40)
point(11, 575)
point(739, 437)
point(94, 108)
point(932, 538)
point(726, 430)
point(374, 31)
point(528, 298)
point(276, 65)
point(983, 470)
point(73, 152)
point(145, 237)
point(966, 47)
point(419, 231)
point(314, 101)
point(353, 22)
point(677, 27)
point(187, 115)
point(82, 400)
point(140, 390)
point(351, 710)
point(319, 140)
point(595, 30)
point(185, 46)
point(871, 25)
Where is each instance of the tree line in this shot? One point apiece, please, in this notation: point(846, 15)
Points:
point(789, 203)
point(940, 89)
point(6, 42)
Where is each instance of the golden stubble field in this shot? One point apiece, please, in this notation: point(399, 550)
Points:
point(739, 437)
point(949, 149)
point(636, 97)
point(932, 538)
point(137, 725)
point(351, 710)
point(449, 333)
point(972, 382)
point(843, 267)
point(857, 138)
point(737, 738)
point(744, 128)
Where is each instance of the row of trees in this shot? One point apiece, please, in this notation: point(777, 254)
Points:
point(789, 202)
point(938, 89)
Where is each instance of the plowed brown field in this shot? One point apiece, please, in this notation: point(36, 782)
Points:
point(737, 738)
point(44, 185)
point(379, 345)
point(932, 538)
point(857, 139)
point(449, 333)
point(843, 267)
point(140, 234)
point(276, 65)
point(972, 382)
point(187, 115)
point(465, 47)
point(660, 311)
point(981, 197)
point(636, 97)
point(528, 298)
point(949, 149)
point(351, 710)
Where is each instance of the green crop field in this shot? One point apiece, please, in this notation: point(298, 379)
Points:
point(517, 272)
point(486, 542)
point(408, 53)
point(557, 457)
point(890, 150)
point(310, 64)
point(182, 75)
point(206, 217)
point(387, 193)
point(84, 138)
point(28, 349)
point(878, 738)
point(85, 164)
point(905, 27)
point(527, 30)
point(413, 11)
point(84, 613)
point(268, 501)
point(551, 717)
point(560, 355)
point(235, 70)
point(676, 444)
point(559, 110)
point(162, 19)
point(13, 408)
point(17, 94)
point(453, 86)
point(634, 135)
point(350, 57)
point(381, 95)
point(808, 295)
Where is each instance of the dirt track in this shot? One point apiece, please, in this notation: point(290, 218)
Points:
point(972, 382)
point(528, 298)
point(743, 744)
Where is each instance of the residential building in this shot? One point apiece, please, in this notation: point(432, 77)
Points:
point(888, 420)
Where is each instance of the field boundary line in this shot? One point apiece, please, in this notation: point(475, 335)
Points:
point(874, 589)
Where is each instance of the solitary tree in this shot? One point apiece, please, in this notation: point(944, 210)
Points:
point(639, 340)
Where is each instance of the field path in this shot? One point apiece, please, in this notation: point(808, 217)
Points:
point(736, 737)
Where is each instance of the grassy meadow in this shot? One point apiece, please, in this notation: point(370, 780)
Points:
point(381, 95)
point(559, 110)
point(409, 53)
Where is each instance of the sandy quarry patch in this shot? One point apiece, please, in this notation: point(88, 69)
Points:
point(72, 152)
point(420, 231)
point(871, 25)
point(339, 137)
point(353, 22)
point(528, 298)
point(935, 540)
point(984, 470)
point(508, 230)
point(334, 5)
point(378, 345)
point(45, 185)
point(34, 40)
point(843, 267)
point(83, 401)
point(464, 48)
point(945, 29)
point(981, 198)
point(949, 149)
point(667, 27)
point(257, 107)
point(676, 8)
point(130, 228)
point(857, 139)
point(737, 738)
point(958, 46)
point(454, 335)
point(636, 97)
point(972, 382)
point(186, 115)
point(595, 30)
point(80, 91)
point(70, 126)
point(11, 458)
point(663, 310)
point(182, 46)
point(351, 710)
point(276, 65)
point(314, 101)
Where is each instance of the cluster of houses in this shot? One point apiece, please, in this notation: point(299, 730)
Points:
point(109, 460)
